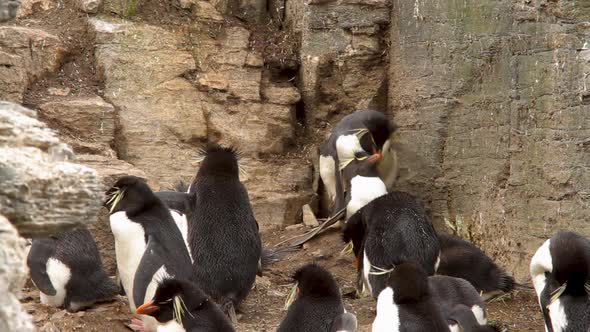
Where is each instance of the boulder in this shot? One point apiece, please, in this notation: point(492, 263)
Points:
point(29, 7)
point(89, 6)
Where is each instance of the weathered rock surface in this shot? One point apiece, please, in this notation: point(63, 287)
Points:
point(8, 9)
point(40, 191)
point(89, 6)
point(26, 54)
point(493, 106)
point(28, 7)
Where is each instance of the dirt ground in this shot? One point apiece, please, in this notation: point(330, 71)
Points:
point(263, 309)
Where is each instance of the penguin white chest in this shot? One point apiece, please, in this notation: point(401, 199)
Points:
point(59, 275)
point(182, 224)
point(328, 175)
point(558, 317)
point(129, 248)
point(362, 191)
point(387, 319)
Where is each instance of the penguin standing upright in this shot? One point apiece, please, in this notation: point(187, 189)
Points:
point(318, 306)
point(462, 319)
point(148, 244)
point(362, 182)
point(462, 259)
point(365, 131)
point(391, 229)
point(223, 233)
point(448, 292)
point(406, 305)
point(560, 270)
point(68, 270)
point(182, 302)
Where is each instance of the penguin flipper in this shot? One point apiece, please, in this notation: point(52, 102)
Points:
point(344, 322)
point(41, 251)
point(150, 263)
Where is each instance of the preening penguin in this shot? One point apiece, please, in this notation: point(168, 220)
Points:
point(462, 319)
point(318, 306)
point(68, 270)
point(363, 183)
point(560, 270)
point(223, 234)
point(405, 304)
point(367, 132)
point(182, 306)
point(391, 229)
point(447, 292)
point(462, 259)
point(148, 244)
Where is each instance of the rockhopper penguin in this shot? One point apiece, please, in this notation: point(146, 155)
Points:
point(68, 270)
point(318, 306)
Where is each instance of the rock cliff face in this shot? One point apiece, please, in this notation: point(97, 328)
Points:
point(490, 97)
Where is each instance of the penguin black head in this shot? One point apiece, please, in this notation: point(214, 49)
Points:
point(409, 283)
point(313, 280)
point(130, 194)
point(380, 128)
point(571, 260)
point(219, 161)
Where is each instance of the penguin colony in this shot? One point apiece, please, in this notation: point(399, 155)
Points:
point(186, 259)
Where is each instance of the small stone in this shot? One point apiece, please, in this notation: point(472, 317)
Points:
point(294, 227)
point(89, 6)
point(254, 59)
point(59, 91)
point(309, 218)
point(59, 315)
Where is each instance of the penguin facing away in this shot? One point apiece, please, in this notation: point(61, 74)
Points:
point(318, 306)
point(462, 319)
point(448, 292)
point(391, 229)
point(462, 259)
point(68, 271)
point(148, 244)
point(223, 233)
point(560, 270)
point(406, 305)
point(181, 302)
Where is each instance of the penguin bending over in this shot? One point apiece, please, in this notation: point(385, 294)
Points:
point(560, 270)
point(148, 244)
point(68, 271)
point(363, 183)
point(223, 233)
point(391, 229)
point(365, 131)
point(406, 305)
point(462, 319)
point(462, 259)
point(448, 292)
point(318, 307)
point(181, 302)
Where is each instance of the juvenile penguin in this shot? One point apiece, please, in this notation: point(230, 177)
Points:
point(318, 306)
point(223, 234)
point(560, 270)
point(68, 271)
point(148, 244)
point(462, 259)
point(462, 319)
point(181, 302)
point(448, 292)
point(391, 229)
point(365, 131)
point(405, 304)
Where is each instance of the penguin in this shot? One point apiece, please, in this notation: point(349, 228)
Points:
point(318, 306)
point(389, 230)
point(148, 244)
point(560, 270)
point(447, 292)
point(462, 259)
point(182, 302)
point(406, 305)
point(223, 233)
point(68, 271)
point(365, 130)
point(461, 318)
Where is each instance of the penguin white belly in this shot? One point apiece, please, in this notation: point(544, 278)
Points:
point(171, 326)
point(558, 317)
point(362, 191)
point(387, 319)
point(129, 248)
point(541, 263)
point(59, 275)
point(328, 175)
point(367, 289)
point(479, 314)
point(182, 224)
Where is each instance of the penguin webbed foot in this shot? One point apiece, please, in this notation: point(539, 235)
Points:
point(138, 326)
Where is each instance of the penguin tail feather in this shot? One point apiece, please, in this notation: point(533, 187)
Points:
point(270, 256)
point(506, 282)
point(230, 310)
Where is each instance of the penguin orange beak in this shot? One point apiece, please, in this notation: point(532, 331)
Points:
point(147, 308)
point(375, 157)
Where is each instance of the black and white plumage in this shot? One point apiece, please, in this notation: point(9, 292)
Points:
point(148, 244)
point(362, 184)
point(462, 319)
point(68, 271)
point(357, 135)
point(462, 259)
point(223, 233)
point(388, 231)
point(183, 303)
point(406, 305)
point(560, 270)
point(318, 306)
point(447, 292)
